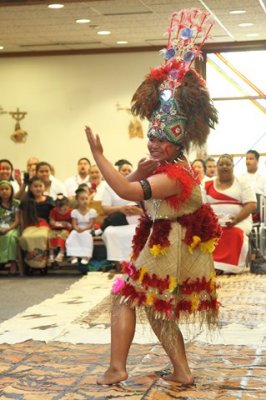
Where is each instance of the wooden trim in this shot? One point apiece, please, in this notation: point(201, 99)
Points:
point(25, 3)
point(208, 48)
point(81, 52)
point(235, 155)
point(235, 46)
point(239, 98)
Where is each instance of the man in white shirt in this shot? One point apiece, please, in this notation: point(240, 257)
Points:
point(83, 175)
point(255, 177)
point(211, 168)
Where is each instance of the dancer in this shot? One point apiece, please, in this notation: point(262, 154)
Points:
point(170, 275)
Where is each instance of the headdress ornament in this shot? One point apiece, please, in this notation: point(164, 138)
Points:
point(188, 31)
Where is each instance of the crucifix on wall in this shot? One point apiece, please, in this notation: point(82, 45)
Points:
point(19, 136)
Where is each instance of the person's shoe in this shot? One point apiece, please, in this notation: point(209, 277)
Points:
point(74, 260)
point(85, 260)
point(59, 258)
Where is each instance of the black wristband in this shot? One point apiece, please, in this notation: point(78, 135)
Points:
point(146, 187)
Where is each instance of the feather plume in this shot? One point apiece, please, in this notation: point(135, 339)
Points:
point(146, 98)
point(194, 101)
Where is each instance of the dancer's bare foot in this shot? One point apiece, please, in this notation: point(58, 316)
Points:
point(112, 376)
point(183, 379)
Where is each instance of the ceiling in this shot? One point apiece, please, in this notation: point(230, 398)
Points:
point(28, 27)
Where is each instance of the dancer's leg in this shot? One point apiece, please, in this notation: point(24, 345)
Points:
point(123, 323)
point(175, 349)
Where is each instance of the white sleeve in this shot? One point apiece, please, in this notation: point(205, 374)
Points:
point(68, 184)
point(93, 213)
point(107, 196)
point(74, 214)
point(247, 193)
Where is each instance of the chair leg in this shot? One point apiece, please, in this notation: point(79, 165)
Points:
point(20, 261)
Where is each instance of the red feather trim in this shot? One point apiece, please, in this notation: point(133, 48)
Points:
point(184, 178)
point(173, 305)
point(202, 223)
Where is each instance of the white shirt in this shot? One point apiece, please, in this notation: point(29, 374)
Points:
point(100, 189)
point(72, 183)
point(257, 181)
point(83, 220)
point(15, 186)
point(55, 188)
point(110, 198)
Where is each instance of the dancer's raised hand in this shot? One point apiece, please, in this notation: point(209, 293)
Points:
point(94, 142)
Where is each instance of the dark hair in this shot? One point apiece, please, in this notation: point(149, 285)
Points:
point(43, 164)
point(82, 186)
point(256, 154)
point(201, 161)
point(12, 194)
point(61, 200)
point(11, 166)
point(121, 162)
point(28, 205)
point(209, 159)
point(86, 159)
point(79, 191)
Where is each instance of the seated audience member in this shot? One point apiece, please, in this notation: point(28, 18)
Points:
point(82, 176)
point(257, 180)
point(255, 177)
point(52, 185)
point(120, 224)
point(122, 161)
point(233, 201)
point(79, 243)
point(200, 168)
point(6, 174)
point(211, 168)
point(35, 211)
point(60, 223)
point(9, 222)
point(31, 166)
point(96, 182)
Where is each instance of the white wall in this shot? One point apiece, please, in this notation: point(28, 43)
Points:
point(63, 93)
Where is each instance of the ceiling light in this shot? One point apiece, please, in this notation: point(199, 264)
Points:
point(1, 47)
point(121, 42)
point(245, 24)
point(55, 6)
point(83, 21)
point(237, 12)
point(103, 33)
point(252, 34)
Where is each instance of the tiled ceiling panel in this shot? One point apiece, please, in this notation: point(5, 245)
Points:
point(142, 23)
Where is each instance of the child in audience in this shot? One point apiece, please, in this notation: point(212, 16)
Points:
point(36, 207)
point(9, 222)
point(60, 223)
point(79, 244)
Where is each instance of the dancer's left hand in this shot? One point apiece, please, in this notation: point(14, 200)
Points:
point(94, 142)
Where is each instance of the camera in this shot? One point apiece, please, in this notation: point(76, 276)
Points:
point(26, 178)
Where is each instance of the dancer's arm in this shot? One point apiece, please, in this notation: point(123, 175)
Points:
point(161, 185)
point(145, 168)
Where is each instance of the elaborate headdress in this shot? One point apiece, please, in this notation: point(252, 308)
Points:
point(173, 97)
